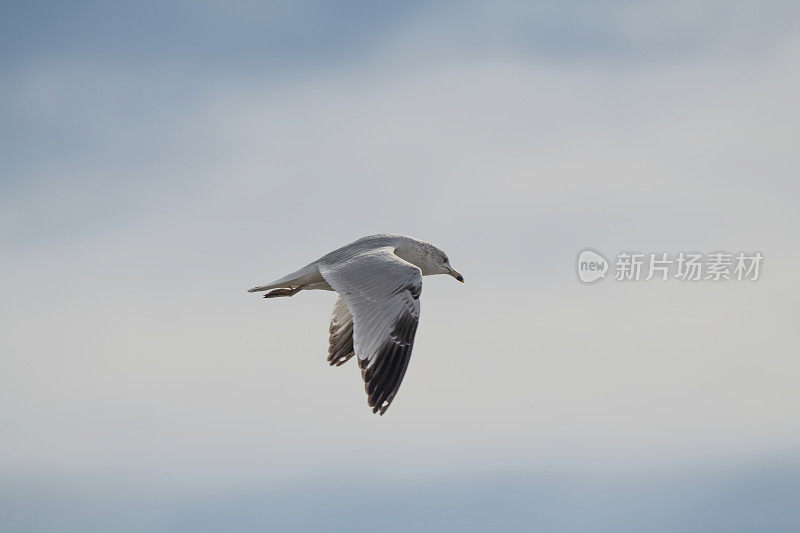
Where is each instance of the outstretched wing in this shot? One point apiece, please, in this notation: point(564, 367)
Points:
point(382, 293)
point(340, 348)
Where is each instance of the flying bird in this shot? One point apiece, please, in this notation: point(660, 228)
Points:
point(379, 281)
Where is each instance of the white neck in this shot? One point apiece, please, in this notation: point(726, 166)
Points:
point(418, 253)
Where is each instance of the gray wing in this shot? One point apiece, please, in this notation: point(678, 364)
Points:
point(382, 293)
point(340, 348)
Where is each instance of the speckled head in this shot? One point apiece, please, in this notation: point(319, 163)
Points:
point(430, 259)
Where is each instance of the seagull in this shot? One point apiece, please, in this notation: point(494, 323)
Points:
point(379, 281)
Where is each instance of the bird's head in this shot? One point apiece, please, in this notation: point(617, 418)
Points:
point(430, 259)
point(442, 265)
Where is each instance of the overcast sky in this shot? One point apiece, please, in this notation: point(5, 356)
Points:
point(159, 160)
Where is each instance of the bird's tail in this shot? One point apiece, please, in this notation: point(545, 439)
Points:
point(261, 288)
point(295, 279)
